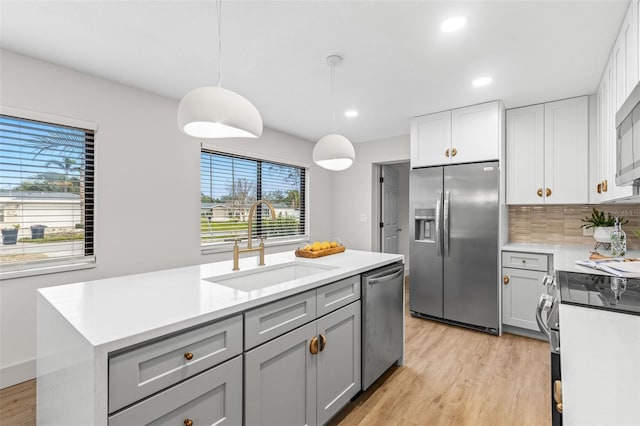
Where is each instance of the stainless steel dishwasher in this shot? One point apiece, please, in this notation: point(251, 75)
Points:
point(382, 321)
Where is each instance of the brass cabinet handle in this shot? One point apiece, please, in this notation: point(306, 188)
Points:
point(188, 356)
point(313, 346)
point(323, 342)
point(454, 152)
point(505, 279)
point(188, 422)
point(599, 188)
point(557, 395)
point(605, 185)
point(548, 192)
point(446, 152)
point(539, 192)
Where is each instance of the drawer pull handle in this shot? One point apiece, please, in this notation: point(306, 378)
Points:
point(548, 192)
point(605, 185)
point(505, 279)
point(189, 357)
point(454, 152)
point(539, 192)
point(446, 152)
point(599, 188)
point(188, 422)
point(557, 395)
point(323, 342)
point(313, 346)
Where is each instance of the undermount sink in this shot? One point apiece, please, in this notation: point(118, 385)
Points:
point(256, 279)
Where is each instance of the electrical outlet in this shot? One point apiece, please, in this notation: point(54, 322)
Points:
point(587, 232)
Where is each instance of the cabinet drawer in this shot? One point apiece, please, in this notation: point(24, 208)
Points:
point(337, 295)
point(272, 320)
point(520, 260)
point(145, 370)
point(212, 397)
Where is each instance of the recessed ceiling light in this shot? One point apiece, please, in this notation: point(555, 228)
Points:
point(482, 81)
point(351, 113)
point(453, 24)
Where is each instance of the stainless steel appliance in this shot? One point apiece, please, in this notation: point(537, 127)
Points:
point(454, 244)
point(628, 141)
point(382, 321)
point(548, 319)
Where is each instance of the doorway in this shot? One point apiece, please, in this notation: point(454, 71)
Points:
point(392, 193)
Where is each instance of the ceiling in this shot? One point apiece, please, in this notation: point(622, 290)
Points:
point(397, 62)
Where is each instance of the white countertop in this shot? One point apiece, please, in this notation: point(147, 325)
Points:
point(125, 310)
point(564, 257)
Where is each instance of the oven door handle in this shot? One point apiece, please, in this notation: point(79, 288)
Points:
point(543, 304)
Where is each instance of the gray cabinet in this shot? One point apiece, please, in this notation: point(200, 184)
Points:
point(141, 371)
point(280, 380)
point(338, 378)
point(522, 287)
point(212, 397)
point(307, 375)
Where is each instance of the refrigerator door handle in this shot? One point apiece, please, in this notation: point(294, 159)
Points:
point(438, 237)
point(445, 224)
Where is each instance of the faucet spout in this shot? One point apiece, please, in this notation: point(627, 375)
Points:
point(237, 250)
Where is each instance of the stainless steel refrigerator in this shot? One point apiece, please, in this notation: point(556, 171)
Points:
point(454, 244)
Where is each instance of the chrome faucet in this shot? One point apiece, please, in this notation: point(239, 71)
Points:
point(237, 250)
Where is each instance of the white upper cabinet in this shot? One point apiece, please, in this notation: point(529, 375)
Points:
point(463, 135)
point(430, 139)
point(619, 78)
point(525, 154)
point(547, 153)
point(475, 133)
point(566, 151)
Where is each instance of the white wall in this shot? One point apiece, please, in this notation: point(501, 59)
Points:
point(353, 189)
point(147, 205)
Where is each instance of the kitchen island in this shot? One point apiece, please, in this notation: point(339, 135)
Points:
point(84, 327)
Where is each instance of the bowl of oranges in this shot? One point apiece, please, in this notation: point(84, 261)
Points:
point(320, 248)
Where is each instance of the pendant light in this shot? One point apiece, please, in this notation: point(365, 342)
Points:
point(334, 151)
point(215, 112)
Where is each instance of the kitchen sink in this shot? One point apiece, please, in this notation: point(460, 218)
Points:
point(267, 276)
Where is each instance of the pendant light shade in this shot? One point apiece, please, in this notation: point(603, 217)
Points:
point(214, 112)
point(334, 152)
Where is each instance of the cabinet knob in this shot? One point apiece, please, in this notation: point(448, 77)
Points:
point(605, 185)
point(323, 342)
point(539, 192)
point(188, 356)
point(313, 346)
point(454, 152)
point(446, 152)
point(188, 422)
point(505, 279)
point(548, 192)
point(557, 395)
point(599, 188)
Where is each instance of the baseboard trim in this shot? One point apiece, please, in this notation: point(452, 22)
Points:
point(11, 375)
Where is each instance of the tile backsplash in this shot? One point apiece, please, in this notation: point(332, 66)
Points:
point(560, 224)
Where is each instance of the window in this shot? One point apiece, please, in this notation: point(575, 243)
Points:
point(46, 196)
point(229, 185)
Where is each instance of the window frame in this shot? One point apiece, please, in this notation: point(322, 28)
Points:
point(57, 265)
point(227, 246)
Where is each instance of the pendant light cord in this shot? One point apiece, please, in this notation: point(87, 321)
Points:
point(219, 15)
point(333, 96)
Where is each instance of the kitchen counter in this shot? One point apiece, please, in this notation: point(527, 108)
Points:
point(80, 324)
point(564, 257)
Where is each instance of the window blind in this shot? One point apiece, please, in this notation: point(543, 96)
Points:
point(46, 195)
point(231, 184)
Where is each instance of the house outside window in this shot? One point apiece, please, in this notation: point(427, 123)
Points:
point(230, 185)
point(46, 196)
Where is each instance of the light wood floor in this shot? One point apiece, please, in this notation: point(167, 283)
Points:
point(452, 376)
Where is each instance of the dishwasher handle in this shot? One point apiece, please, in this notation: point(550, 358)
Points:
point(396, 273)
